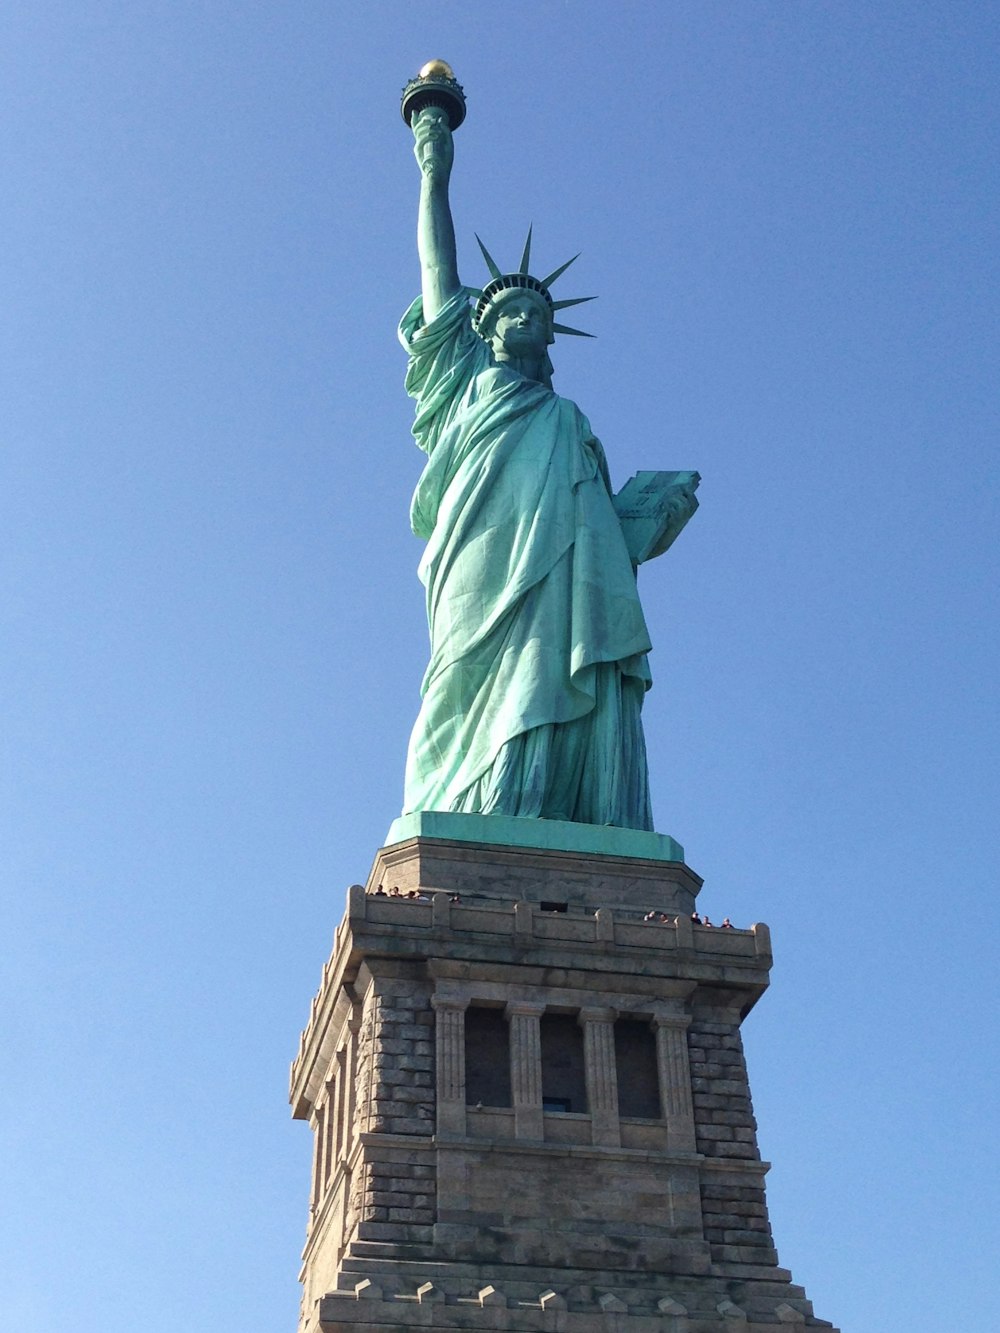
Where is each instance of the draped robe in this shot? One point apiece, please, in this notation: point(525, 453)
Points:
point(531, 701)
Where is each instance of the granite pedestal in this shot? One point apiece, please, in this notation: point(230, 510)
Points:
point(530, 1105)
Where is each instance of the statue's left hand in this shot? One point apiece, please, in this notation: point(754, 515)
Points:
point(433, 146)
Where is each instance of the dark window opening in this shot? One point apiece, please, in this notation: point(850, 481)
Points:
point(635, 1060)
point(487, 1057)
point(563, 1078)
point(553, 907)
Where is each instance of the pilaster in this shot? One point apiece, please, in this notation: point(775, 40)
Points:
point(449, 1015)
point(602, 1078)
point(675, 1079)
point(526, 1067)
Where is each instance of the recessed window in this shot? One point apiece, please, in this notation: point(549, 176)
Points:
point(564, 1083)
point(487, 1057)
point(635, 1061)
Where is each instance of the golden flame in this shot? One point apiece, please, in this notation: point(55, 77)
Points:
point(436, 69)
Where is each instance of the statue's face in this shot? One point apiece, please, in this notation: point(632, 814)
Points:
point(521, 328)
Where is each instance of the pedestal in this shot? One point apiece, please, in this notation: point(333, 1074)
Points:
point(530, 1106)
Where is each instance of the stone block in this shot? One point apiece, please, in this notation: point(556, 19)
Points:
point(730, 1057)
point(409, 1214)
point(551, 1300)
point(741, 1118)
point(399, 1181)
point(414, 1064)
point(724, 1186)
point(391, 1046)
point(729, 1310)
point(417, 1124)
point(412, 1031)
point(722, 1087)
point(736, 1087)
point(744, 1236)
point(760, 1255)
point(722, 1132)
point(721, 1221)
point(708, 1070)
point(733, 1149)
point(406, 1092)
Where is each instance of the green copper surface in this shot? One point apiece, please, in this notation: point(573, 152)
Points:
point(547, 834)
point(532, 699)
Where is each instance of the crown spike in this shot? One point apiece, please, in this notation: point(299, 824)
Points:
point(526, 253)
point(577, 333)
point(490, 261)
point(547, 282)
point(576, 300)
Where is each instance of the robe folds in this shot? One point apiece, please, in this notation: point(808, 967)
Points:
point(531, 701)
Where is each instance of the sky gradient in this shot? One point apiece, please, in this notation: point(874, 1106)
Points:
point(214, 635)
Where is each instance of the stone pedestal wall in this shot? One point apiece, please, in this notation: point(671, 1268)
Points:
point(555, 1210)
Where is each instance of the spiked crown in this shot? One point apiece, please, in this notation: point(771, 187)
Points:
point(500, 283)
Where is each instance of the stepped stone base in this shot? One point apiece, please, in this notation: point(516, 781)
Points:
point(460, 1296)
point(530, 1106)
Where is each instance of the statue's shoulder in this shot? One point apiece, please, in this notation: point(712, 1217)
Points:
point(492, 376)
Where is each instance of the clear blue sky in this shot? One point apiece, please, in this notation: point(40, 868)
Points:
point(214, 636)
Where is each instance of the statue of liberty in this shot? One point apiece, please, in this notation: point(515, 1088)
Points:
point(532, 700)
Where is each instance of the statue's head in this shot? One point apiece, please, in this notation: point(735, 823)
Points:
point(521, 314)
point(518, 327)
point(520, 307)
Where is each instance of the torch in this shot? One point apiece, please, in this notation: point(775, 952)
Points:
point(435, 85)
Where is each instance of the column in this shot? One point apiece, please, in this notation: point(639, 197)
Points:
point(602, 1078)
point(319, 1129)
point(526, 1068)
point(348, 1123)
point(675, 1079)
point(330, 1129)
point(338, 1135)
point(449, 1030)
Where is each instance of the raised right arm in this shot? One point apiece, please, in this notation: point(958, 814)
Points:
point(435, 153)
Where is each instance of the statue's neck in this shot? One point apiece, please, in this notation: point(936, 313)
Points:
point(531, 367)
